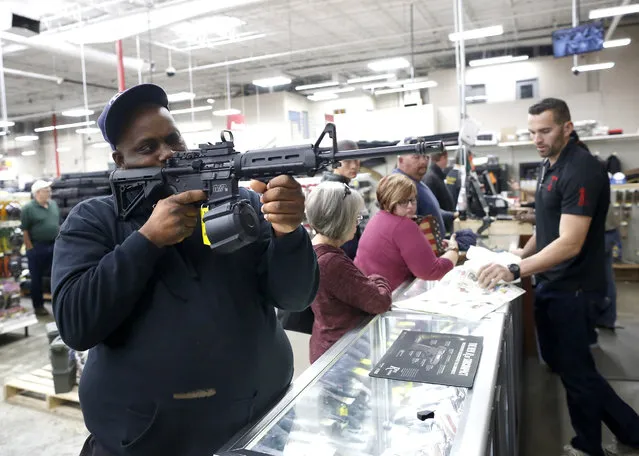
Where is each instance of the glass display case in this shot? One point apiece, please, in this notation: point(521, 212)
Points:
point(335, 407)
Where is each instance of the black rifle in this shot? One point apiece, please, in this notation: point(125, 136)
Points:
point(231, 222)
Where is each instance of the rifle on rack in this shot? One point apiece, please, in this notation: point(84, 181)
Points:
point(230, 221)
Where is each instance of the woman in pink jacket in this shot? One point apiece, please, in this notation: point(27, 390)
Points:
point(393, 245)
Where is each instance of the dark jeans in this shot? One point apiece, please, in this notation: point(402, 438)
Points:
point(40, 259)
point(606, 308)
point(563, 325)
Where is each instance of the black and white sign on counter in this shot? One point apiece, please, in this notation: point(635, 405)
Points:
point(444, 359)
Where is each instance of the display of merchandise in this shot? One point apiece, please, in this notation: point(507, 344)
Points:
point(69, 189)
point(347, 412)
point(13, 263)
point(628, 201)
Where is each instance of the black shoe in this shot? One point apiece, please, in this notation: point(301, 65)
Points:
point(41, 312)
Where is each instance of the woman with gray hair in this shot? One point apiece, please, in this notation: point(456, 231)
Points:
point(345, 294)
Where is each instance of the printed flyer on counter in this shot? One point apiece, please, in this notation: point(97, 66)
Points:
point(458, 295)
point(443, 359)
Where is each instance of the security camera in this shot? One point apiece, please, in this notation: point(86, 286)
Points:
point(575, 71)
point(170, 71)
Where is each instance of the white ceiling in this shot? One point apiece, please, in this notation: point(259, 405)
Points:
point(307, 40)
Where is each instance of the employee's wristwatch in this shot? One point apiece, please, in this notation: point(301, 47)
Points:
point(515, 271)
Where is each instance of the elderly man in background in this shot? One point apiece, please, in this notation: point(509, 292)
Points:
point(415, 166)
point(40, 219)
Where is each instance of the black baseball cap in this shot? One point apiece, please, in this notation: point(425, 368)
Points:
point(115, 112)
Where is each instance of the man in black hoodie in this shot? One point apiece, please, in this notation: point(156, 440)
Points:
point(344, 174)
point(185, 348)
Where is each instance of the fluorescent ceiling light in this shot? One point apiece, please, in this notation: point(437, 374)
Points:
point(399, 83)
point(323, 97)
point(379, 85)
point(593, 67)
point(616, 43)
point(377, 77)
point(124, 26)
point(396, 63)
point(8, 123)
point(29, 74)
point(210, 100)
point(408, 88)
point(28, 153)
point(189, 110)
point(3, 133)
point(87, 131)
point(63, 126)
point(477, 33)
point(388, 91)
point(614, 11)
point(210, 44)
point(497, 60)
point(77, 112)
point(272, 82)
point(101, 145)
point(26, 138)
point(342, 90)
point(200, 29)
point(226, 112)
point(180, 96)
point(63, 149)
point(319, 85)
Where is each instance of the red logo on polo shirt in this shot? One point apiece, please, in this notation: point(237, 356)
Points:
point(582, 197)
point(553, 179)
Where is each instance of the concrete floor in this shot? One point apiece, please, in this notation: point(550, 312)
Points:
point(545, 427)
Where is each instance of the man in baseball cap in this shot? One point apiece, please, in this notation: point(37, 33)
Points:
point(185, 348)
point(40, 223)
point(119, 109)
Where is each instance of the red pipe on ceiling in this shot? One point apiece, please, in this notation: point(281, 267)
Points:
point(118, 53)
point(55, 145)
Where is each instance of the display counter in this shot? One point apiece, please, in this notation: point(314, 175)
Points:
point(336, 408)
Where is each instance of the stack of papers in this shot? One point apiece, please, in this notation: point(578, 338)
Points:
point(459, 295)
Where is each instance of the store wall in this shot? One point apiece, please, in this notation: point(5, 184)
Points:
point(351, 103)
point(609, 96)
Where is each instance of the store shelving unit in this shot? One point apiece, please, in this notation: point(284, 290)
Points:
point(16, 323)
point(584, 139)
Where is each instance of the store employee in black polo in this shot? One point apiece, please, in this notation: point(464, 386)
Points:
point(567, 256)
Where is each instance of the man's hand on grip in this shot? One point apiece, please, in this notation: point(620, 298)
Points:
point(173, 218)
point(283, 204)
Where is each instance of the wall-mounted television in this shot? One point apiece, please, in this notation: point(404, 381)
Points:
point(578, 40)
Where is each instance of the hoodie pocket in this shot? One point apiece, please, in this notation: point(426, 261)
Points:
point(141, 423)
point(189, 427)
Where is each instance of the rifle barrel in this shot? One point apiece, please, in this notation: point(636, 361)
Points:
point(375, 152)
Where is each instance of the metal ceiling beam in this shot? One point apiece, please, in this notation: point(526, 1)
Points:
point(71, 50)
